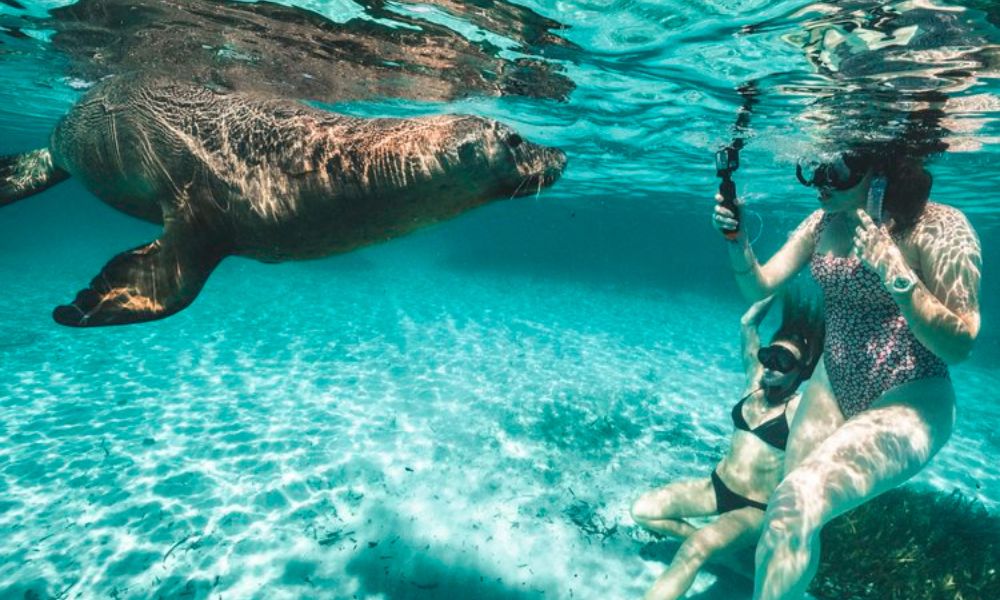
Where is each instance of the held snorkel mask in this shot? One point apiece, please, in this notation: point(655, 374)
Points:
point(842, 172)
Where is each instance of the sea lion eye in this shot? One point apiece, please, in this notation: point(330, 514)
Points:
point(514, 140)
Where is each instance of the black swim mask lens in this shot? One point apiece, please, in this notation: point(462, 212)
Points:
point(777, 358)
point(832, 174)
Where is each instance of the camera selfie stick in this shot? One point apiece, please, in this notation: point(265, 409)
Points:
point(727, 160)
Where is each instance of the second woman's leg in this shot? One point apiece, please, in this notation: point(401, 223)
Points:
point(662, 509)
point(870, 454)
point(732, 530)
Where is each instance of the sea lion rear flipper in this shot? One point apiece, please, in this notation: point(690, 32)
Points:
point(146, 283)
point(22, 175)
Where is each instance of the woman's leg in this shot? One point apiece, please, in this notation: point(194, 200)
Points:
point(871, 453)
point(732, 530)
point(660, 510)
point(815, 418)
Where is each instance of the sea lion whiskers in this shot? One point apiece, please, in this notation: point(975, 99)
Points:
point(511, 149)
point(524, 180)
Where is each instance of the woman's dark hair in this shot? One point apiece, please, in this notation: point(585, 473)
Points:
point(802, 324)
point(901, 161)
point(907, 190)
point(908, 183)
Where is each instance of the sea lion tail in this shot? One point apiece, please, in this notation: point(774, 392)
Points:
point(22, 175)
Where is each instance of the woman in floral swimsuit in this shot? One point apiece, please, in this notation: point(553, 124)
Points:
point(901, 304)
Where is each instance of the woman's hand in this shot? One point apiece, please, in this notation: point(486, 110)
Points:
point(877, 250)
point(724, 220)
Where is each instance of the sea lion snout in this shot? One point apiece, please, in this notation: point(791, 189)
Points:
point(541, 167)
point(535, 166)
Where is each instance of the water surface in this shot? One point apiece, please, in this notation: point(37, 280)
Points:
point(470, 410)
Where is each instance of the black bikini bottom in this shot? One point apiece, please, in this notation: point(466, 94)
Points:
point(727, 500)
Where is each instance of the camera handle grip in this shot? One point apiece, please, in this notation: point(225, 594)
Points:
point(727, 189)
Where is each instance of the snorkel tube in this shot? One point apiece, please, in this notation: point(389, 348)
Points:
point(727, 160)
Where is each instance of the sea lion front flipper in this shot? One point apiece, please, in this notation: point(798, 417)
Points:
point(146, 283)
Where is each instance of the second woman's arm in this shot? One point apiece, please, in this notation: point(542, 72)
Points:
point(750, 338)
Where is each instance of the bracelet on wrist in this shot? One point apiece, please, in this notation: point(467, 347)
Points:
point(902, 282)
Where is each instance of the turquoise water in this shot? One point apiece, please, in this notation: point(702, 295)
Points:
point(465, 412)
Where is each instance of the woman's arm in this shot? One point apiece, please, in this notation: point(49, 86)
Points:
point(756, 281)
point(750, 338)
point(942, 308)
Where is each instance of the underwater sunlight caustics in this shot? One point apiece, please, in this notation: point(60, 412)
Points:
point(453, 315)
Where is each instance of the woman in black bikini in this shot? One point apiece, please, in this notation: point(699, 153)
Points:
point(738, 488)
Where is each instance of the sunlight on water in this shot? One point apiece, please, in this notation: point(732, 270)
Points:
point(468, 411)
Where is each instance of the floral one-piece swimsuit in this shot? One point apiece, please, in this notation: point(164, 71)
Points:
point(869, 347)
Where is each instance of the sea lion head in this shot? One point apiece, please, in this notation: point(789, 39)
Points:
point(524, 167)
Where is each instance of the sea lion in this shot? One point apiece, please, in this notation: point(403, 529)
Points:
point(268, 179)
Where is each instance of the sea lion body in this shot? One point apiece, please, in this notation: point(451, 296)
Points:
point(264, 178)
point(280, 180)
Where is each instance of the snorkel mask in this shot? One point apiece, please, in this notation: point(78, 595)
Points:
point(841, 172)
point(778, 358)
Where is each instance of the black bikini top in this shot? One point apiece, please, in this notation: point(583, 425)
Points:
point(773, 432)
